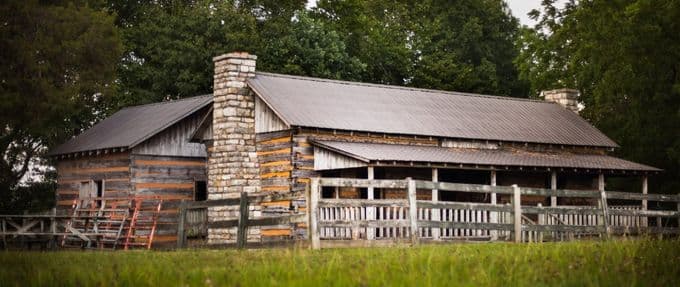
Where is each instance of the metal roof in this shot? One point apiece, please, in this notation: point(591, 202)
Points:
point(133, 125)
point(372, 152)
point(321, 103)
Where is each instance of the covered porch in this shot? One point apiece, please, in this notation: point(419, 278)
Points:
point(559, 186)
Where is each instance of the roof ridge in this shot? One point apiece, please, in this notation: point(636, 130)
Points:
point(166, 102)
point(344, 82)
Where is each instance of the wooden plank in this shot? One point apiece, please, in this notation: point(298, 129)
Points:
point(139, 162)
point(413, 210)
point(362, 202)
point(638, 196)
point(466, 225)
point(517, 214)
point(242, 231)
point(315, 193)
point(181, 236)
point(462, 187)
point(464, 205)
point(164, 185)
point(365, 223)
point(363, 183)
point(276, 232)
point(581, 210)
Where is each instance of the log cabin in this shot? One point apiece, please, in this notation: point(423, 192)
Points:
point(266, 133)
point(141, 151)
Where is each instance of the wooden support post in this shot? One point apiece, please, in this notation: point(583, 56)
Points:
point(413, 210)
point(181, 222)
point(517, 214)
point(4, 234)
point(435, 198)
point(242, 231)
point(314, 193)
point(370, 211)
point(494, 214)
point(644, 220)
point(541, 221)
point(553, 186)
point(53, 229)
point(603, 205)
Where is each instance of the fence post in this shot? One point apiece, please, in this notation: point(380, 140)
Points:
point(242, 231)
point(494, 201)
point(412, 209)
point(517, 216)
point(181, 233)
point(314, 192)
point(436, 213)
point(603, 205)
point(645, 220)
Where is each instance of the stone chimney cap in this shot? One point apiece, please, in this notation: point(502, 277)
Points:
point(235, 55)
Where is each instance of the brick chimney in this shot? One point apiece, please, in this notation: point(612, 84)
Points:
point(232, 161)
point(567, 98)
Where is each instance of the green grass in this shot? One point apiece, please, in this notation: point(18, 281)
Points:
point(589, 263)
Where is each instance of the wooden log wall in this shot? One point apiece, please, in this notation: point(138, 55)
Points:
point(275, 152)
point(171, 179)
point(113, 169)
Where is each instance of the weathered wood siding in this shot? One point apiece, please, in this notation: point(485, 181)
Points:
point(327, 160)
point(170, 178)
point(113, 169)
point(274, 152)
point(266, 120)
point(175, 140)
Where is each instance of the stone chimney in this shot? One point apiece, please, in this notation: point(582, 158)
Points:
point(565, 97)
point(232, 161)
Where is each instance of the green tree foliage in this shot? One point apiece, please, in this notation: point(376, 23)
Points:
point(468, 46)
point(310, 49)
point(58, 65)
point(169, 47)
point(624, 57)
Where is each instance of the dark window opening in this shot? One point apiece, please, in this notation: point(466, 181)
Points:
point(98, 192)
point(200, 191)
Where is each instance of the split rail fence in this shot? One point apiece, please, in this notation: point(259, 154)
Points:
point(333, 221)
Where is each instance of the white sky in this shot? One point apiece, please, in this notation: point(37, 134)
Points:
point(519, 8)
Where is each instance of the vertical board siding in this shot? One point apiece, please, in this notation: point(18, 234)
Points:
point(175, 140)
point(328, 160)
point(266, 120)
point(114, 169)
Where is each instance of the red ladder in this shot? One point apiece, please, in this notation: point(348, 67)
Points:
point(142, 220)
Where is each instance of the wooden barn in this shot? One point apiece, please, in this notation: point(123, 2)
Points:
point(139, 152)
point(271, 133)
point(264, 133)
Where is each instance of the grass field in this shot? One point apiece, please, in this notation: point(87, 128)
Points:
point(589, 263)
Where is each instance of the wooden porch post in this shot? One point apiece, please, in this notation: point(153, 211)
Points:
point(494, 214)
point(314, 193)
point(435, 198)
point(553, 186)
point(603, 204)
point(644, 201)
point(370, 212)
point(517, 210)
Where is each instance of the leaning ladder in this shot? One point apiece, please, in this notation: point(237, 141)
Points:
point(147, 223)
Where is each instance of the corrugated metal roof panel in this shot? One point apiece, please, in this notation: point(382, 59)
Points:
point(320, 103)
point(432, 154)
point(132, 125)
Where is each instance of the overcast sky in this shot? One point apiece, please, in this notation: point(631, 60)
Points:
point(519, 9)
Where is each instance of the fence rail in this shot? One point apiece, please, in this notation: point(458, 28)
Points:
point(413, 220)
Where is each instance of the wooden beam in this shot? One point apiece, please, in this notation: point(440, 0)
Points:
point(644, 201)
point(553, 186)
point(315, 191)
point(413, 210)
point(517, 214)
point(494, 201)
point(370, 232)
point(435, 198)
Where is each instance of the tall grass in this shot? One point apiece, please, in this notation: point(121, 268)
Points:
point(586, 263)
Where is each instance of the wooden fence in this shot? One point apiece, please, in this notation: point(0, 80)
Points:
point(193, 216)
point(409, 219)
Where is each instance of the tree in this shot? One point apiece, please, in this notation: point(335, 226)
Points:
point(58, 66)
point(463, 45)
point(624, 57)
point(170, 46)
point(310, 49)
